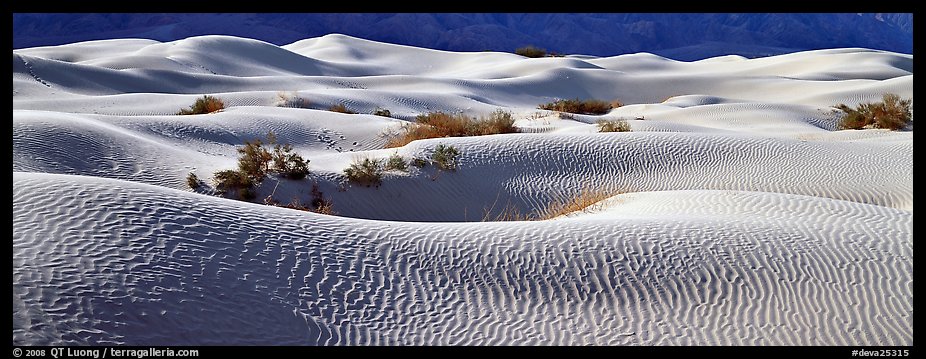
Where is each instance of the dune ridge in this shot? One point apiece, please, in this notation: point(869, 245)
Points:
point(157, 266)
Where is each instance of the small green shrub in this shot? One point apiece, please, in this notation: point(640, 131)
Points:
point(193, 181)
point(891, 113)
point(419, 162)
point(247, 194)
point(396, 163)
point(586, 107)
point(445, 157)
point(255, 160)
point(341, 108)
point(366, 172)
point(613, 126)
point(207, 104)
point(531, 51)
point(231, 180)
point(287, 163)
point(382, 112)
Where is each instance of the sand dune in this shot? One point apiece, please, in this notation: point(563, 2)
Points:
point(749, 218)
point(104, 261)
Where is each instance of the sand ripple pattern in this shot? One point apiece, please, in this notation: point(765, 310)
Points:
point(98, 261)
point(527, 171)
point(749, 220)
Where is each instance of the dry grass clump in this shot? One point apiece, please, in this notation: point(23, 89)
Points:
point(587, 199)
point(498, 122)
point(207, 104)
point(613, 126)
point(584, 201)
point(319, 203)
point(291, 100)
point(193, 181)
point(585, 107)
point(892, 113)
point(341, 108)
point(440, 124)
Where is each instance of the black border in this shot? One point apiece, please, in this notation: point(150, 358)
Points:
point(466, 351)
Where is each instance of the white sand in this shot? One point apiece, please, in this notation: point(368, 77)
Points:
point(752, 220)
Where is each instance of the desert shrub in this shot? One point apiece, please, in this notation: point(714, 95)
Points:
point(444, 124)
point(325, 208)
point(247, 193)
point(288, 164)
point(613, 126)
point(440, 124)
point(891, 113)
point(445, 157)
point(419, 162)
point(231, 180)
point(587, 107)
point(319, 203)
point(340, 108)
point(382, 112)
point(295, 203)
point(853, 118)
point(409, 132)
point(207, 104)
point(531, 51)
point(285, 162)
point(498, 122)
point(254, 160)
point(396, 163)
point(366, 172)
point(193, 181)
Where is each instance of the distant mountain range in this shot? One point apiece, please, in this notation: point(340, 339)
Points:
point(679, 36)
